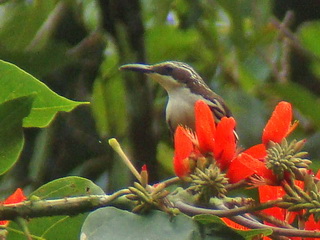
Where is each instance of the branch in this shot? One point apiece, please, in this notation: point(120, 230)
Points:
point(65, 206)
point(293, 40)
point(276, 230)
point(242, 220)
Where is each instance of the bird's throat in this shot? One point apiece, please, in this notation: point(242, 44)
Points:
point(180, 108)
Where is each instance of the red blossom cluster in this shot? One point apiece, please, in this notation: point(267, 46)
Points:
point(209, 138)
point(218, 140)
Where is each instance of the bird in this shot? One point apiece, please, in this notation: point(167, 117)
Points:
point(184, 87)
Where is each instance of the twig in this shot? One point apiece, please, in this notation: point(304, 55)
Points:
point(186, 208)
point(237, 185)
point(171, 181)
point(273, 220)
point(293, 40)
point(284, 61)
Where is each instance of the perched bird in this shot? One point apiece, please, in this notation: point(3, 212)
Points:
point(184, 87)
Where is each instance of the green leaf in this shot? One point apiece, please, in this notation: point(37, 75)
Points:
point(25, 18)
point(309, 36)
point(215, 222)
point(14, 82)
point(120, 224)
point(58, 227)
point(300, 97)
point(12, 113)
point(108, 101)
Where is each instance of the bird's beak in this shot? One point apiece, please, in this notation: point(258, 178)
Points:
point(137, 68)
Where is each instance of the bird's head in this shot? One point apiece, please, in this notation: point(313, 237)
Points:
point(170, 75)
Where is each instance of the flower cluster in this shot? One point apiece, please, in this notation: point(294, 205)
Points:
point(266, 163)
point(209, 140)
point(278, 168)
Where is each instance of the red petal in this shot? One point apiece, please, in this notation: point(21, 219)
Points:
point(183, 147)
point(225, 142)
point(311, 224)
point(257, 151)
point(279, 124)
point(233, 224)
point(240, 168)
point(267, 193)
point(245, 166)
point(16, 197)
point(205, 126)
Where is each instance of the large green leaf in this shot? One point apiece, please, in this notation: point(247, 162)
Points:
point(113, 223)
point(12, 113)
point(58, 227)
point(14, 82)
point(215, 222)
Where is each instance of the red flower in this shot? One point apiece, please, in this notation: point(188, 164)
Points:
point(252, 160)
point(210, 138)
point(16, 197)
point(218, 139)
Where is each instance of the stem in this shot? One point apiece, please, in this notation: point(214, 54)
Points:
point(23, 225)
point(280, 231)
point(294, 41)
point(34, 237)
point(58, 207)
point(170, 181)
point(240, 184)
point(117, 148)
point(227, 212)
point(273, 220)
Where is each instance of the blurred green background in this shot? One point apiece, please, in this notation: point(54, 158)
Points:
point(253, 53)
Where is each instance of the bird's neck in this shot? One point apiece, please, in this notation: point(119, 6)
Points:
point(180, 107)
